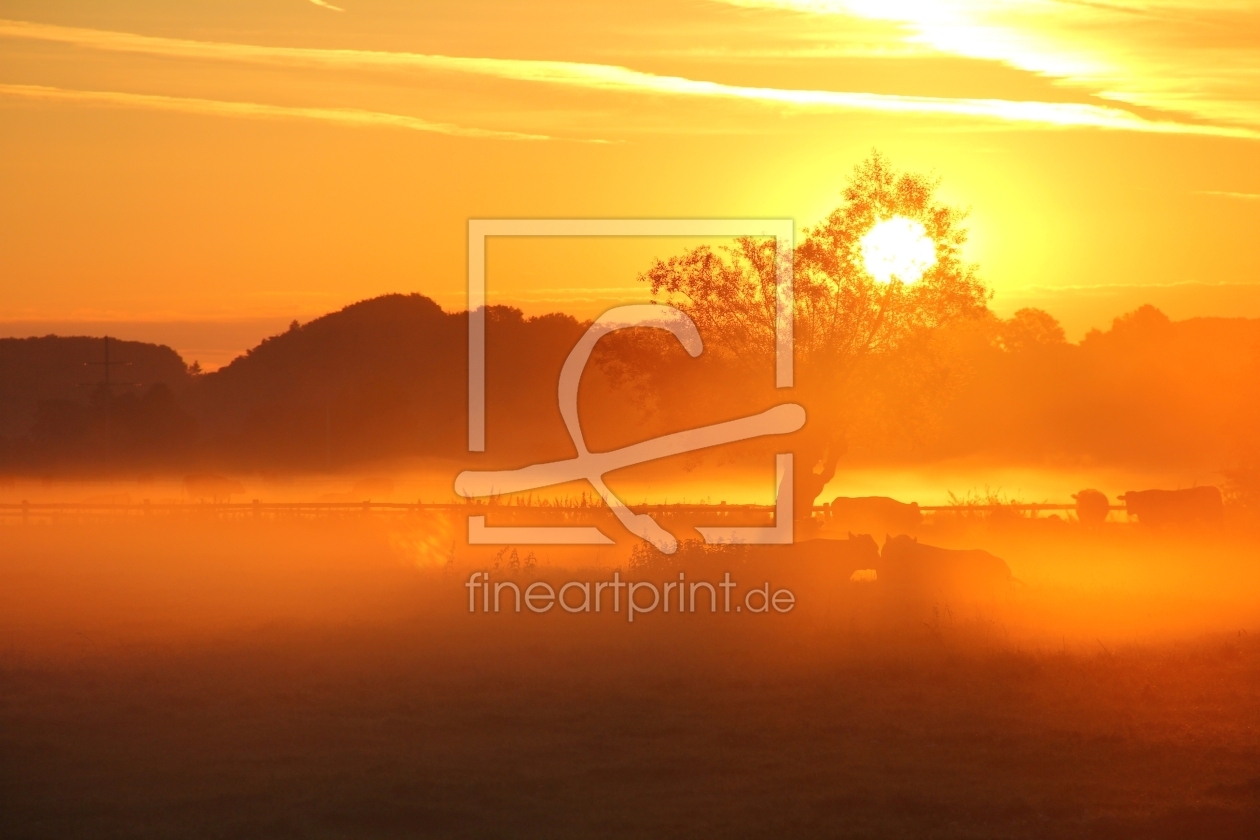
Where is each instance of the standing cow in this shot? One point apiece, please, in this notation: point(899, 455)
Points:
point(1092, 507)
point(875, 515)
point(1175, 507)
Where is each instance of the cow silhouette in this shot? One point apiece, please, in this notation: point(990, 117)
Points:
point(839, 557)
point(1175, 507)
point(909, 567)
point(818, 571)
point(1092, 507)
point(875, 515)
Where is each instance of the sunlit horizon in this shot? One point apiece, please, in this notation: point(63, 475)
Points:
point(337, 153)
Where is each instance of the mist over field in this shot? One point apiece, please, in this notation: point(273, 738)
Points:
point(722, 419)
point(200, 672)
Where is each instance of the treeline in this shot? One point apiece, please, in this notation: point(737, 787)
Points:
point(1146, 391)
point(386, 379)
point(62, 407)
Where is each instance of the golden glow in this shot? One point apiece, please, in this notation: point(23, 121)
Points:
point(1139, 52)
point(897, 249)
point(280, 160)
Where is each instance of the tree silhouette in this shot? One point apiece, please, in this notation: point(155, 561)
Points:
point(848, 325)
point(1030, 328)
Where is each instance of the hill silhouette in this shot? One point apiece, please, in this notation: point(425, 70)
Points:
point(383, 378)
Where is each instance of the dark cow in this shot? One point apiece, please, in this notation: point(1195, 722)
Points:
point(817, 572)
point(1175, 507)
point(875, 515)
point(841, 557)
point(1092, 507)
point(908, 566)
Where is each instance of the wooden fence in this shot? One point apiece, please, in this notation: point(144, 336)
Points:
point(46, 511)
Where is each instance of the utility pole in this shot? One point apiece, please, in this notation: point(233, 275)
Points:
point(108, 385)
point(7, 393)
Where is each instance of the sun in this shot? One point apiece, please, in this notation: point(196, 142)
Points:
point(898, 249)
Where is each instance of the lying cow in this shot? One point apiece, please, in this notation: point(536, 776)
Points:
point(910, 567)
point(818, 572)
point(875, 515)
point(1175, 507)
point(216, 488)
point(856, 552)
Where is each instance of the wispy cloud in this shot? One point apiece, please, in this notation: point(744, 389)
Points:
point(1108, 287)
point(1198, 57)
point(327, 5)
point(613, 78)
point(1224, 194)
point(213, 107)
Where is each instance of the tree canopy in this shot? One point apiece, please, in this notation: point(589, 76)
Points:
point(841, 312)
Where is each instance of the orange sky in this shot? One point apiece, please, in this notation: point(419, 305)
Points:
point(258, 160)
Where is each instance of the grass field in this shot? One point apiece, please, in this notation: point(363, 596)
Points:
point(325, 679)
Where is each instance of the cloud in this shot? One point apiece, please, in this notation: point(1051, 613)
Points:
point(613, 78)
point(212, 107)
point(1197, 57)
point(327, 5)
point(1224, 194)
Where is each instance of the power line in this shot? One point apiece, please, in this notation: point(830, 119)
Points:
point(108, 365)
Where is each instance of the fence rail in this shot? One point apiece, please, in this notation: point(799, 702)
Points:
point(1016, 507)
point(27, 509)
